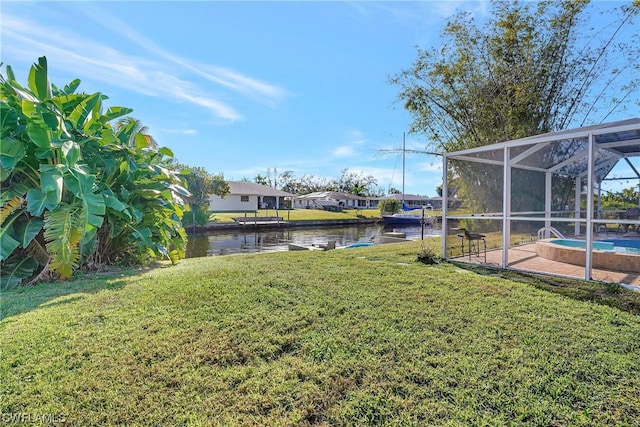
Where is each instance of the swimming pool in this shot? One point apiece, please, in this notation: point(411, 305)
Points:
point(613, 254)
point(627, 246)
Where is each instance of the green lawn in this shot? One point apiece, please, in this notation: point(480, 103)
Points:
point(366, 336)
point(299, 214)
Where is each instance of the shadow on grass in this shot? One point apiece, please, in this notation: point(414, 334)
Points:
point(611, 294)
point(22, 299)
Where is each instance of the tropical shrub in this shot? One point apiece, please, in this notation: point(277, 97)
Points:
point(202, 185)
point(389, 206)
point(77, 191)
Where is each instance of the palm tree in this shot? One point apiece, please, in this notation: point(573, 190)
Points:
point(629, 195)
point(135, 127)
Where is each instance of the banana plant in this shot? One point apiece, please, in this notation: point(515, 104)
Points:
point(73, 186)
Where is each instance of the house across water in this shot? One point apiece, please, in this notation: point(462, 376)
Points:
point(249, 196)
point(334, 200)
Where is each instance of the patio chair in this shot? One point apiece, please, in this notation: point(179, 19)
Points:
point(474, 240)
point(631, 213)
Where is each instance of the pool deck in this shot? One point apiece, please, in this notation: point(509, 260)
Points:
point(525, 258)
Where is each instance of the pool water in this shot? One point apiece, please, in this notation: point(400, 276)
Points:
point(626, 246)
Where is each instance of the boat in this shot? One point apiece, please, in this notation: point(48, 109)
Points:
point(331, 244)
point(359, 245)
point(408, 216)
point(294, 247)
point(405, 218)
point(391, 237)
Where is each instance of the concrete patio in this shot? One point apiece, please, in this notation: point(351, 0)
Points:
point(524, 258)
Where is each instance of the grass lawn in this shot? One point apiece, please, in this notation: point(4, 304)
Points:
point(300, 214)
point(365, 336)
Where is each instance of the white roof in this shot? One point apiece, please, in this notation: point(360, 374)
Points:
point(252, 189)
point(335, 195)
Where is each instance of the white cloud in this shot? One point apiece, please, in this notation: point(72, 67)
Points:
point(344, 151)
point(185, 91)
point(353, 139)
point(243, 84)
point(223, 76)
point(95, 61)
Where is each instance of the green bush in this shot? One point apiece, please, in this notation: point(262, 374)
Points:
point(201, 216)
point(389, 206)
point(77, 191)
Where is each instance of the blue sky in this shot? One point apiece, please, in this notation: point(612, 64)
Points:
point(241, 88)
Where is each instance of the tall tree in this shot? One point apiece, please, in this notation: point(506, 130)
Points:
point(202, 185)
point(260, 179)
point(534, 67)
point(357, 183)
point(288, 182)
point(527, 71)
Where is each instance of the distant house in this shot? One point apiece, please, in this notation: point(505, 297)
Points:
point(436, 203)
point(249, 196)
point(334, 199)
point(413, 201)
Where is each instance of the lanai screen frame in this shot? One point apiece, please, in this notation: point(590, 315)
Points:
point(606, 144)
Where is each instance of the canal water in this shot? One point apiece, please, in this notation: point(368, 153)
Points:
point(215, 243)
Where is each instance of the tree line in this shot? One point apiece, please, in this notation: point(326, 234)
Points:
point(349, 181)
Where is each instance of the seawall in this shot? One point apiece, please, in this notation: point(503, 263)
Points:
point(215, 226)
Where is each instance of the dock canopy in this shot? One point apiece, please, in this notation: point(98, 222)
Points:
point(533, 186)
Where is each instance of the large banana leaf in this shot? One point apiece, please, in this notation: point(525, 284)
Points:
point(68, 102)
point(93, 204)
point(13, 88)
point(27, 231)
point(111, 201)
point(9, 192)
point(9, 213)
point(37, 201)
point(71, 151)
point(49, 195)
point(39, 80)
point(71, 87)
point(143, 235)
point(51, 178)
point(84, 109)
point(8, 243)
point(10, 74)
point(9, 207)
point(166, 151)
point(63, 232)
point(16, 269)
point(114, 113)
point(93, 215)
point(37, 129)
point(11, 153)
point(8, 120)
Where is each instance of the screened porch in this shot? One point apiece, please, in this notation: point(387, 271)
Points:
point(543, 197)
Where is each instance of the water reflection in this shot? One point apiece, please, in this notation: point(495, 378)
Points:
point(227, 243)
